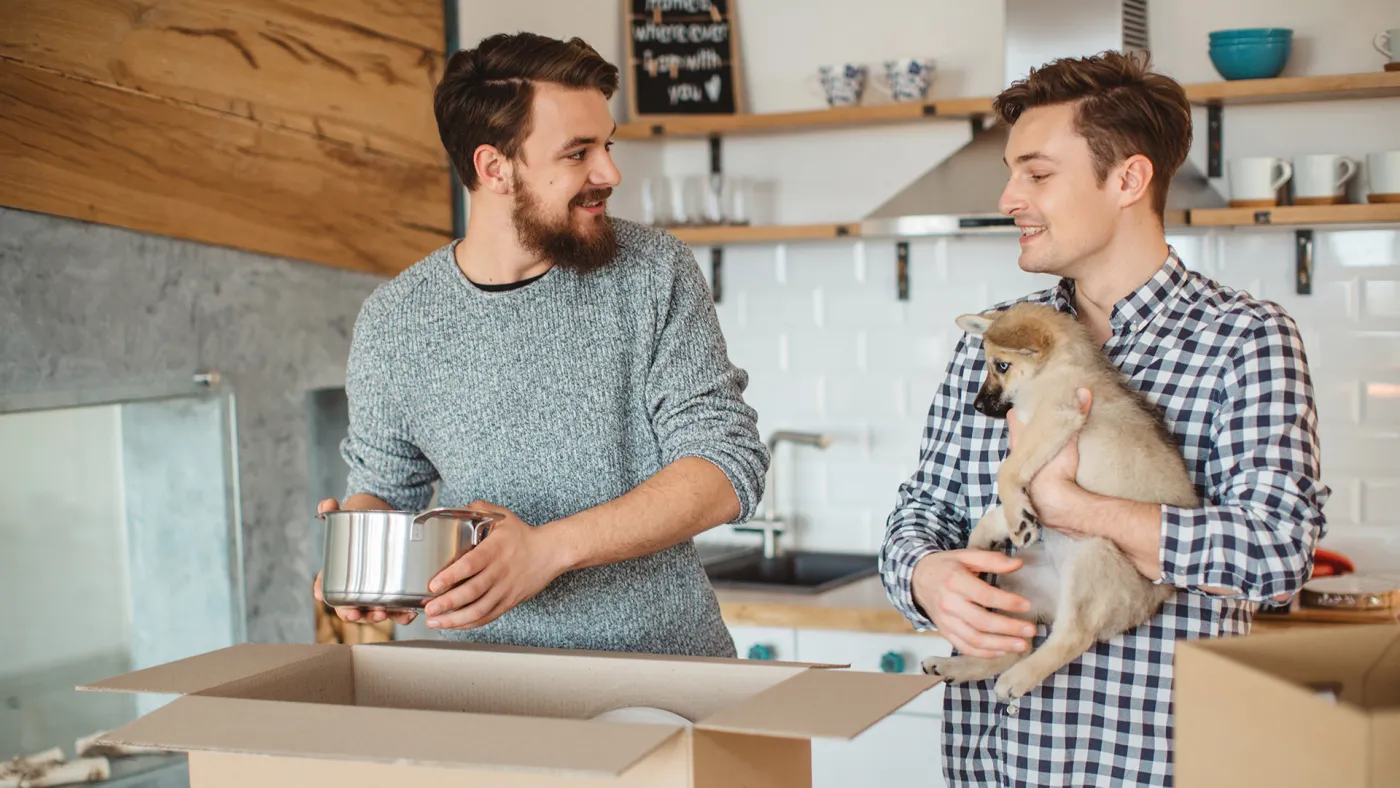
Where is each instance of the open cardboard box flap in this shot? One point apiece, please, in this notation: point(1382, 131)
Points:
point(480, 705)
point(1358, 665)
point(203, 671)
point(1337, 686)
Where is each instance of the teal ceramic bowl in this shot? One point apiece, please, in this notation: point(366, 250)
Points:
point(1250, 34)
point(1261, 59)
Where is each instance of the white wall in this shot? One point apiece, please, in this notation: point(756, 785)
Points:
point(829, 347)
point(62, 538)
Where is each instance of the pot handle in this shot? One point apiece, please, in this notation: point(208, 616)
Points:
point(480, 517)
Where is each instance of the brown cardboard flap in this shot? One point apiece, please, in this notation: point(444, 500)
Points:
point(502, 648)
point(1385, 754)
point(1225, 708)
point(429, 738)
point(1360, 664)
point(833, 704)
point(210, 670)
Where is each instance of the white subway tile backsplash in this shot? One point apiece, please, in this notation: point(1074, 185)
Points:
point(1380, 300)
point(1338, 400)
point(856, 396)
point(864, 366)
point(1382, 404)
point(817, 351)
point(1349, 352)
point(1343, 509)
point(1381, 501)
point(1359, 451)
point(1359, 249)
point(835, 528)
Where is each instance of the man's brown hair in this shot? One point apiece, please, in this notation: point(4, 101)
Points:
point(1121, 108)
point(486, 93)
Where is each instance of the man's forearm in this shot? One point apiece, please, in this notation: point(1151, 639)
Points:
point(1135, 527)
point(687, 497)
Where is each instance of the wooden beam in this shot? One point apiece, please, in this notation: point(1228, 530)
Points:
point(117, 157)
point(357, 71)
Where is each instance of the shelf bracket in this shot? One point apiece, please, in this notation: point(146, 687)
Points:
point(1303, 243)
point(1214, 127)
point(715, 168)
point(716, 271)
point(902, 257)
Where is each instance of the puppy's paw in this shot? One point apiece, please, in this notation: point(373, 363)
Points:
point(956, 670)
point(990, 533)
point(1015, 682)
point(1024, 529)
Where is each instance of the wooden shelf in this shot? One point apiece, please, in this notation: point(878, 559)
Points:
point(1296, 214)
point(1216, 217)
point(680, 126)
point(726, 234)
point(1379, 84)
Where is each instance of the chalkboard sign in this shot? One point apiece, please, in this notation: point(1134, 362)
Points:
point(683, 57)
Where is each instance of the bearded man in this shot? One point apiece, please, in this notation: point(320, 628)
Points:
point(560, 368)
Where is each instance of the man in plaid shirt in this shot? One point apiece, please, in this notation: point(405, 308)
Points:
point(1094, 143)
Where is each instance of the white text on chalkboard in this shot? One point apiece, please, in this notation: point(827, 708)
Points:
point(684, 6)
point(704, 60)
point(681, 34)
point(688, 92)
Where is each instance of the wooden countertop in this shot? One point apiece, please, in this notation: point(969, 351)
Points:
point(861, 606)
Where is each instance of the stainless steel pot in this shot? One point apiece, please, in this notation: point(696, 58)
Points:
point(386, 558)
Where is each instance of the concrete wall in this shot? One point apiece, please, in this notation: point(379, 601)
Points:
point(84, 305)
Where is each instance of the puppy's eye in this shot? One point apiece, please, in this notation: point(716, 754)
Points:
point(1002, 366)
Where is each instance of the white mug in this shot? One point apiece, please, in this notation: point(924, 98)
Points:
point(1385, 43)
point(1318, 179)
point(1383, 169)
point(905, 79)
point(841, 85)
point(1253, 182)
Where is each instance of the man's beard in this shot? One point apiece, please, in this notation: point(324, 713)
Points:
point(558, 241)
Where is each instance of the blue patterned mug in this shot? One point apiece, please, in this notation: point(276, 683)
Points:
point(843, 84)
point(906, 79)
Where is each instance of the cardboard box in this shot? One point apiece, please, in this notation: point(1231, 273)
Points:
point(432, 713)
point(1317, 706)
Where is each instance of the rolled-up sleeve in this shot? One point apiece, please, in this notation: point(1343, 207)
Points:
point(379, 450)
point(1263, 515)
point(694, 394)
point(930, 513)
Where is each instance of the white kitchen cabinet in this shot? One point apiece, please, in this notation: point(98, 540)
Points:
point(904, 749)
point(767, 643)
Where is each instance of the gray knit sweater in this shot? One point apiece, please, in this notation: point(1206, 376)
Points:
point(551, 399)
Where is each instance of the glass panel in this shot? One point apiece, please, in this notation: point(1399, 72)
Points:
point(120, 532)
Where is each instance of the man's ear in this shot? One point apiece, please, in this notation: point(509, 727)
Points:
point(1136, 179)
point(493, 170)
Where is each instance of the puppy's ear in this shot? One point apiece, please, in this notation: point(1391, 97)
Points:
point(976, 325)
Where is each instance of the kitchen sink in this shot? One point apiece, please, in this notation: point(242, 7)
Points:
point(795, 571)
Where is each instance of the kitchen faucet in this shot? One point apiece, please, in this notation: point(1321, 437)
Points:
point(769, 525)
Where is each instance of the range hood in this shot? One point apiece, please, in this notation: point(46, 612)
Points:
point(960, 194)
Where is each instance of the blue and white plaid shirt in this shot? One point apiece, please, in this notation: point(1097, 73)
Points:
point(1231, 376)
